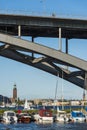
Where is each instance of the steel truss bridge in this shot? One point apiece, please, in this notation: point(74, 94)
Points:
point(13, 27)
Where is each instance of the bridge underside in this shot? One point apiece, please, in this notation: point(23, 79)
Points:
point(47, 59)
point(44, 58)
point(37, 31)
point(37, 26)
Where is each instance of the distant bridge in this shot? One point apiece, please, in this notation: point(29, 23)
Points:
point(12, 46)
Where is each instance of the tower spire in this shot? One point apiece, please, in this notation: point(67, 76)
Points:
point(15, 92)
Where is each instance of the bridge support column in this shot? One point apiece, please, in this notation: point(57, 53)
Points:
point(32, 52)
point(19, 30)
point(60, 40)
point(85, 85)
point(85, 81)
point(66, 49)
point(66, 46)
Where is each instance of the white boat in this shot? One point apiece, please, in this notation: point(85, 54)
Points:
point(61, 116)
point(9, 117)
point(36, 117)
point(13, 105)
point(2, 106)
point(44, 116)
point(26, 105)
point(77, 116)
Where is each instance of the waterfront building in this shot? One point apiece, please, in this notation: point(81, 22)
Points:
point(74, 102)
point(36, 101)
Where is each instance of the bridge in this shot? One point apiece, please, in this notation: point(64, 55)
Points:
point(53, 61)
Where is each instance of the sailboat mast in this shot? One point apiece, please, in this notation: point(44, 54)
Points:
point(62, 91)
point(56, 87)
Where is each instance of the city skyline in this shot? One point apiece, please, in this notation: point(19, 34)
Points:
point(31, 82)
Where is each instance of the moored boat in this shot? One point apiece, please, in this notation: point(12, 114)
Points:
point(9, 117)
point(77, 116)
point(44, 116)
point(24, 118)
point(61, 116)
point(26, 105)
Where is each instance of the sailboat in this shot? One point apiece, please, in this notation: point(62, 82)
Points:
point(3, 103)
point(60, 114)
point(26, 105)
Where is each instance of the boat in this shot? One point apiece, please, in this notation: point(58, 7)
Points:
point(3, 104)
point(11, 106)
point(77, 116)
point(24, 118)
point(61, 116)
point(9, 117)
point(44, 116)
point(26, 105)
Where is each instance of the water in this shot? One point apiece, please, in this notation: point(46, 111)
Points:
point(47, 107)
point(53, 126)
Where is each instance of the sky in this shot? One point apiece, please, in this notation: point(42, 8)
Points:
point(33, 83)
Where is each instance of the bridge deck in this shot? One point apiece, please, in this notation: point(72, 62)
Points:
point(37, 26)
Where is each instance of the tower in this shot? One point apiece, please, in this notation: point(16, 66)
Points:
point(15, 92)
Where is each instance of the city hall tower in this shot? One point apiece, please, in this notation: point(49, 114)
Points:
point(15, 92)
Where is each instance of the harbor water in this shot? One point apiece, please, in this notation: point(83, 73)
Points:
point(53, 126)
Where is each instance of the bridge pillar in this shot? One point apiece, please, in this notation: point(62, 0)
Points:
point(60, 40)
point(66, 49)
point(85, 81)
point(19, 30)
point(66, 45)
point(32, 52)
point(85, 85)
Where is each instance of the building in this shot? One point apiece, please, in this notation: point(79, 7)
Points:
point(15, 92)
point(74, 102)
